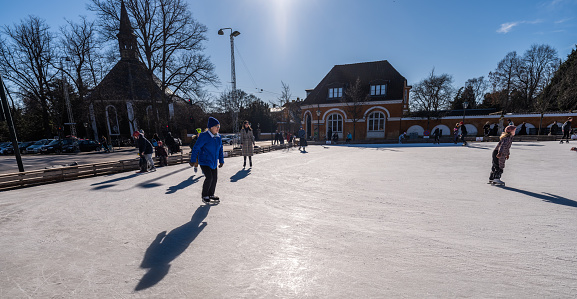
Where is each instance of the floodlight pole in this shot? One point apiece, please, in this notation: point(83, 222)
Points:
point(7, 115)
point(233, 34)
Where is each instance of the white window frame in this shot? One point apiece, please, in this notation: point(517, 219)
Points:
point(378, 90)
point(376, 118)
point(334, 121)
point(335, 93)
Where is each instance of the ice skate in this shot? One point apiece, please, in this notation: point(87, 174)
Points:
point(215, 198)
point(498, 182)
point(206, 199)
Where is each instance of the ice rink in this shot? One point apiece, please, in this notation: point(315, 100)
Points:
point(390, 221)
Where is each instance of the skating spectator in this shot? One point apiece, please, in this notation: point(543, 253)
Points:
point(247, 139)
point(437, 136)
point(486, 129)
point(302, 139)
point(554, 128)
point(349, 137)
point(402, 137)
point(161, 154)
point(566, 130)
point(456, 133)
point(145, 150)
point(463, 133)
point(523, 129)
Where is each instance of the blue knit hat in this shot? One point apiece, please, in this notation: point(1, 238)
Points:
point(212, 122)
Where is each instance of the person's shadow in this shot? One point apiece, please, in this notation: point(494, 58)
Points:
point(241, 174)
point(191, 180)
point(166, 247)
point(547, 197)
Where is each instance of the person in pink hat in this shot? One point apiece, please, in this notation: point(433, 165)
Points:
point(500, 155)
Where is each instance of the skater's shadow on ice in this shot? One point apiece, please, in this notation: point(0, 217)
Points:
point(241, 174)
point(547, 197)
point(113, 180)
point(167, 247)
point(191, 180)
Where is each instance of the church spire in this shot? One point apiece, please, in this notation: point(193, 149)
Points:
point(126, 38)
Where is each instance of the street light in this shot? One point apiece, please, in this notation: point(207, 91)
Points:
point(465, 105)
point(71, 122)
point(233, 34)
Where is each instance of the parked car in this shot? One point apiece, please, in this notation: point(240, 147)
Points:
point(4, 146)
point(228, 139)
point(22, 146)
point(58, 146)
point(87, 145)
point(37, 146)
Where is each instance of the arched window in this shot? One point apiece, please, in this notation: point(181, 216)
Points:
point(335, 123)
point(376, 122)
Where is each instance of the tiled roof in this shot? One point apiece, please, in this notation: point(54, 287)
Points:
point(377, 72)
point(127, 81)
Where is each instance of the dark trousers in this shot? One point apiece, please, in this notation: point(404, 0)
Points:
point(496, 171)
point(210, 178)
point(566, 135)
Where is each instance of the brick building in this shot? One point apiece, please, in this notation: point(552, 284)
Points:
point(378, 116)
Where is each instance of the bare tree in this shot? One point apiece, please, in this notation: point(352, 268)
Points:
point(25, 60)
point(533, 72)
point(432, 94)
point(478, 87)
point(503, 78)
point(354, 98)
point(170, 42)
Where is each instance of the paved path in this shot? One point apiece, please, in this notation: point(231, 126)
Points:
point(38, 161)
point(335, 222)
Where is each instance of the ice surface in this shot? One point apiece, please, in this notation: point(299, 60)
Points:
point(411, 221)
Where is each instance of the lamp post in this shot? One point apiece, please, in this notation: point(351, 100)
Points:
point(71, 122)
point(233, 34)
point(465, 105)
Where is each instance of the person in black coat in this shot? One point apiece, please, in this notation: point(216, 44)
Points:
point(522, 129)
point(566, 130)
point(463, 133)
point(486, 129)
point(554, 128)
point(145, 150)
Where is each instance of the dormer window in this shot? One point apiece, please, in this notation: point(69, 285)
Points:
point(378, 90)
point(335, 93)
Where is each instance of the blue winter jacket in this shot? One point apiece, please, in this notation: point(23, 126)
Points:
point(208, 149)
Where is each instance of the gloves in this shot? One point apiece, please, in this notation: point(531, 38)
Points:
point(220, 165)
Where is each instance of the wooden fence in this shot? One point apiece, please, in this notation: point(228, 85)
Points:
point(53, 175)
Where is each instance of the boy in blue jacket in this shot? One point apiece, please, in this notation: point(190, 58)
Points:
point(208, 149)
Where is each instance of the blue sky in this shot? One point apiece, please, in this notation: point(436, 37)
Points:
point(299, 41)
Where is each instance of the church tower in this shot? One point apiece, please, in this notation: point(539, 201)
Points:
point(126, 38)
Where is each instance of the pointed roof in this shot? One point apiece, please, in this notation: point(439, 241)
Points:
point(129, 79)
point(126, 37)
point(370, 73)
point(125, 25)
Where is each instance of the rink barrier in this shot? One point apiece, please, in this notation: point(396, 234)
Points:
point(67, 173)
point(259, 150)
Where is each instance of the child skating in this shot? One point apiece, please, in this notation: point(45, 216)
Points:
point(500, 155)
point(208, 150)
